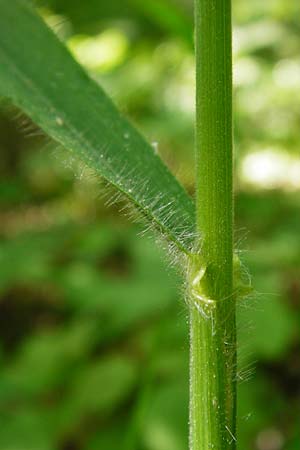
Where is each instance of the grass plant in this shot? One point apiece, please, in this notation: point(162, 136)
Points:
point(38, 74)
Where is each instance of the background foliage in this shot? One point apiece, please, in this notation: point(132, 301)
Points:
point(94, 340)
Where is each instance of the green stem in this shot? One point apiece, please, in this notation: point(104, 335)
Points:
point(210, 279)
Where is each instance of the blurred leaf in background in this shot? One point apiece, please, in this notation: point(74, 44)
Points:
point(94, 340)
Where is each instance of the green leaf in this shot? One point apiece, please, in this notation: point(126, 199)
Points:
point(163, 427)
point(168, 15)
point(28, 428)
point(39, 75)
point(99, 389)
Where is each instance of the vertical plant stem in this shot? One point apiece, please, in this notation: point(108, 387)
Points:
point(212, 303)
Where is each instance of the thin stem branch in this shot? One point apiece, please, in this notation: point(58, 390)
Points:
point(212, 310)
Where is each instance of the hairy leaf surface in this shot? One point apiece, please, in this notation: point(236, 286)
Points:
point(40, 76)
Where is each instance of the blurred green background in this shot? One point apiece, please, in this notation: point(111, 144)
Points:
point(94, 336)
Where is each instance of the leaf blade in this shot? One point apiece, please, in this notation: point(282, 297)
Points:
point(40, 76)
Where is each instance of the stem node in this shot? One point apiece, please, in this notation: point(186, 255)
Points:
point(210, 277)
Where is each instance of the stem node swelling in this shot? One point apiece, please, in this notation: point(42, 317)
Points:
point(210, 276)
